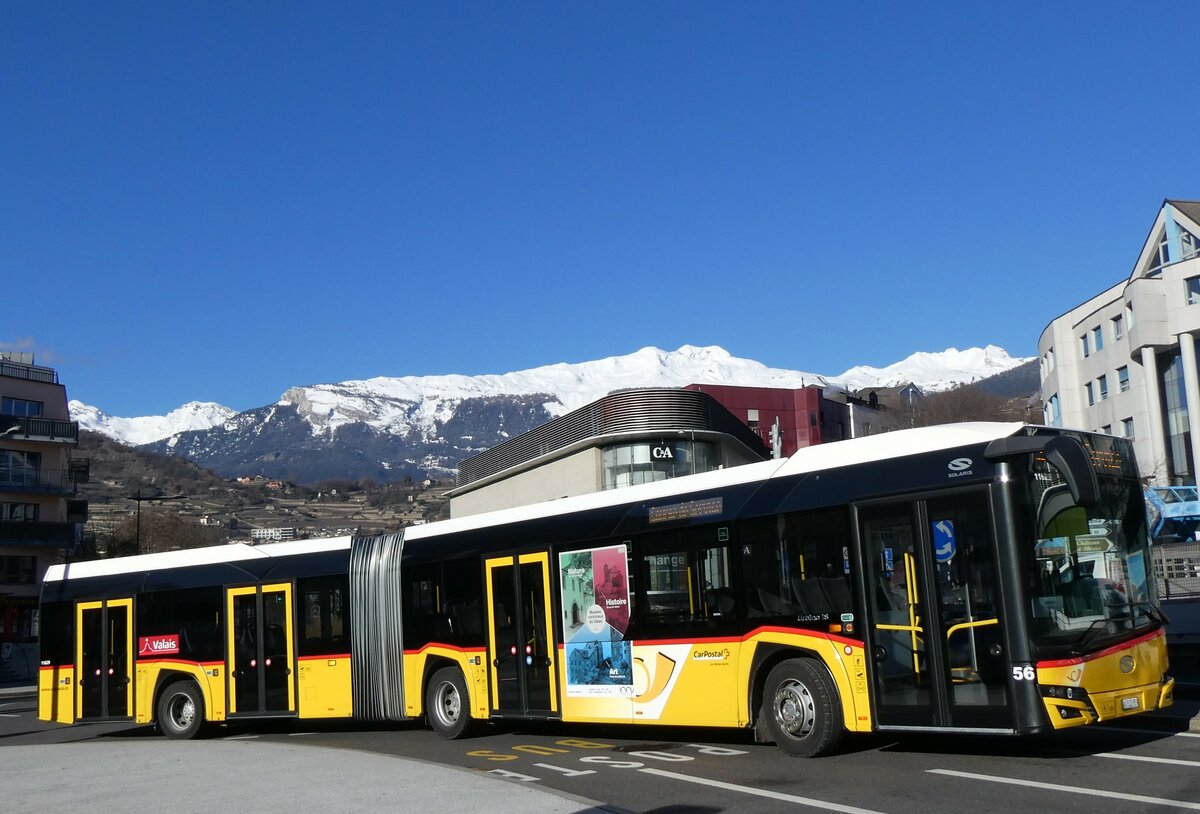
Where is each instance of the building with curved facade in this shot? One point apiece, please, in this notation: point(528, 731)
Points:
point(1124, 362)
point(649, 434)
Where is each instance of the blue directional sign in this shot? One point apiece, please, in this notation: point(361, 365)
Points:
point(944, 544)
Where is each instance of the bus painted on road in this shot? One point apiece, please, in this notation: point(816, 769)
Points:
point(990, 578)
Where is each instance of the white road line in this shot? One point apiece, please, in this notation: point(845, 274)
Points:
point(298, 734)
point(1112, 795)
point(1154, 732)
point(9, 715)
point(239, 737)
point(774, 795)
point(1171, 760)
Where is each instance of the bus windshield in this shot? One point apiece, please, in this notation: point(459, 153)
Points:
point(1088, 568)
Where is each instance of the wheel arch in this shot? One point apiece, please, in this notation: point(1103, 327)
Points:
point(166, 678)
point(766, 656)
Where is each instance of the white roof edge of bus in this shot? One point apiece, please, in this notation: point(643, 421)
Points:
point(899, 442)
point(233, 552)
point(732, 476)
point(810, 459)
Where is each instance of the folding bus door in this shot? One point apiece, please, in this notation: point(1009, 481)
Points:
point(521, 643)
point(260, 650)
point(104, 659)
point(934, 610)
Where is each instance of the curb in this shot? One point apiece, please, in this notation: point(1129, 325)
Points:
point(6, 692)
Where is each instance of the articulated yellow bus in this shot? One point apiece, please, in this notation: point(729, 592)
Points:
point(990, 578)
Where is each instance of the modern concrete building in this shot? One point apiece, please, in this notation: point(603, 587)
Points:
point(1124, 362)
point(39, 515)
point(637, 436)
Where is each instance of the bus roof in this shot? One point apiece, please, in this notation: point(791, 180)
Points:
point(810, 459)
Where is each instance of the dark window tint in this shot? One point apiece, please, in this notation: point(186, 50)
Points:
point(796, 565)
point(324, 620)
point(193, 614)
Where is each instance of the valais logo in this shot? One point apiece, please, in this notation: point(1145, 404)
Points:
point(158, 645)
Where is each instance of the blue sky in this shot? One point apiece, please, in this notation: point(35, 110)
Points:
point(218, 201)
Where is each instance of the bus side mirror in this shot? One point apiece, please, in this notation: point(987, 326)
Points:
point(1064, 452)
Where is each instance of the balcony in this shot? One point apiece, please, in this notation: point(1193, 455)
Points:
point(20, 428)
point(38, 533)
point(33, 373)
point(45, 481)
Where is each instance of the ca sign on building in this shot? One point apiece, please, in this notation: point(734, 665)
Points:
point(1124, 362)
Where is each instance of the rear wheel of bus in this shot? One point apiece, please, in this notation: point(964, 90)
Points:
point(181, 710)
point(801, 708)
point(446, 703)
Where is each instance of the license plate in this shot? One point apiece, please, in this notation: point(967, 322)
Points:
point(1133, 702)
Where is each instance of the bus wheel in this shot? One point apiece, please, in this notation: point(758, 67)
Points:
point(181, 710)
point(801, 709)
point(446, 703)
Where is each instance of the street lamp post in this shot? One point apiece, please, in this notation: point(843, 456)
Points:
point(137, 539)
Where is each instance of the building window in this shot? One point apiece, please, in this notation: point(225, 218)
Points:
point(1091, 393)
point(1103, 386)
point(631, 464)
point(1193, 290)
point(1118, 327)
point(19, 468)
point(1085, 346)
point(21, 407)
point(752, 419)
point(1052, 414)
point(1106, 429)
point(1123, 378)
point(1179, 451)
point(1097, 338)
point(18, 570)
point(18, 512)
point(1127, 427)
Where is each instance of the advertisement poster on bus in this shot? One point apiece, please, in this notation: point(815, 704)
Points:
point(595, 607)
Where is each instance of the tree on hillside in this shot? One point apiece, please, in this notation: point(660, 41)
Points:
point(967, 404)
point(160, 530)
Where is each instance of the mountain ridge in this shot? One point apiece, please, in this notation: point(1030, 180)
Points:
point(389, 428)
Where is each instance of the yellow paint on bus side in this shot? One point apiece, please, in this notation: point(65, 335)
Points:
point(324, 683)
point(56, 698)
point(707, 682)
point(472, 664)
point(208, 677)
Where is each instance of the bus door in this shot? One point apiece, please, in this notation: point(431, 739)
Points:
point(934, 623)
point(104, 659)
point(259, 650)
point(520, 641)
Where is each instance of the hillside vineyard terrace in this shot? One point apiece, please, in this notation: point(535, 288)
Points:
point(966, 578)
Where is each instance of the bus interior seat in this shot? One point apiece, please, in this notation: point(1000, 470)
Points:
point(810, 596)
point(720, 602)
point(773, 604)
point(837, 594)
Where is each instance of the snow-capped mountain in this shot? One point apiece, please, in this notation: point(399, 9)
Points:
point(933, 372)
point(195, 415)
point(389, 427)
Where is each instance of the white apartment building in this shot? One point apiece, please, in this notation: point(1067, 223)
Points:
point(1124, 362)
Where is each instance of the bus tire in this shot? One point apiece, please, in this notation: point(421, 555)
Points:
point(447, 705)
point(801, 708)
point(181, 710)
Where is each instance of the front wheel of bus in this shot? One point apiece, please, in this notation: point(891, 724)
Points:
point(446, 703)
point(181, 710)
point(802, 709)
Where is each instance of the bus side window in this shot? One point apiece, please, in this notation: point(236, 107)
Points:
point(324, 622)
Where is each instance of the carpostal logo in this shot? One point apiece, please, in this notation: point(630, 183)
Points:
point(706, 654)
